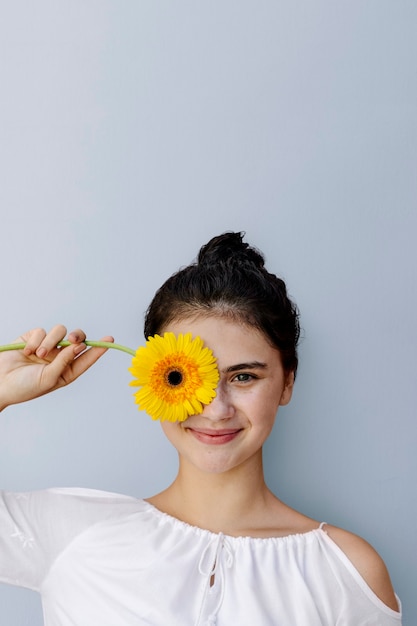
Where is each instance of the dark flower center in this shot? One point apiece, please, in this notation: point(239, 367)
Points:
point(174, 378)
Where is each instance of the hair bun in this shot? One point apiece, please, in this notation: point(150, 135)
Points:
point(228, 248)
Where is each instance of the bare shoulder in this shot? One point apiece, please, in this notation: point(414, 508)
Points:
point(367, 561)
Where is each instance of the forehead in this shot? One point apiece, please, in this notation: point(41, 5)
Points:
point(231, 341)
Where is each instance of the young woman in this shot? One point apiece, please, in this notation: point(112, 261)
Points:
point(216, 546)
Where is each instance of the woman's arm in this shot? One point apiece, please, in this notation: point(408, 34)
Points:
point(42, 367)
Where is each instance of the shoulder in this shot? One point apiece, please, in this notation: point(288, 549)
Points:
point(367, 561)
point(83, 493)
point(53, 508)
point(89, 505)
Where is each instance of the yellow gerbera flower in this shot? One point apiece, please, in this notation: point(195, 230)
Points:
point(177, 375)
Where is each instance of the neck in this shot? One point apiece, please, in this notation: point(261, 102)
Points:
point(229, 502)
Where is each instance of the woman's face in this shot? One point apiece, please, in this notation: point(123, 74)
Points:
point(233, 427)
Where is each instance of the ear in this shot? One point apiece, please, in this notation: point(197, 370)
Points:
point(287, 391)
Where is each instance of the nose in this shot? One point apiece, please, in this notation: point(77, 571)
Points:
point(221, 407)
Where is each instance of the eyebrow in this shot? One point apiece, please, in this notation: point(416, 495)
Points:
point(252, 365)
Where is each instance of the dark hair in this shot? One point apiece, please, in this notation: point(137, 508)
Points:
point(229, 279)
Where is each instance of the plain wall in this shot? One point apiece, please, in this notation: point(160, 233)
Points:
point(131, 133)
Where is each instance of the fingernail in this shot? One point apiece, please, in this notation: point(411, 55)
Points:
point(79, 348)
point(40, 352)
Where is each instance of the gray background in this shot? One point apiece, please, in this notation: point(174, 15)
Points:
point(131, 132)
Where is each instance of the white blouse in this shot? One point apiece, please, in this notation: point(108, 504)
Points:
point(102, 559)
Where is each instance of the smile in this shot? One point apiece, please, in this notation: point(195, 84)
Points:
point(214, 437)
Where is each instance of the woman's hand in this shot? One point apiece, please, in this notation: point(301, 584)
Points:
point(41, 366)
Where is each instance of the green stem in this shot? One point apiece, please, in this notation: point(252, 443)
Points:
point(63, 344)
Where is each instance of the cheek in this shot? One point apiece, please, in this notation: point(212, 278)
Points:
point(261, 412)
point(171, 431)
point(264, 405)
point(269, 410)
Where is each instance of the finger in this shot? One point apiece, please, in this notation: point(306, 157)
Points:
point(50, 341)
point(33, 339)
point(108, 339)
point(68, 364)
point(77, 336)
point(59, 371)
point(83, 362)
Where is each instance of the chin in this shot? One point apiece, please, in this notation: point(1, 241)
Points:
point(216, 465)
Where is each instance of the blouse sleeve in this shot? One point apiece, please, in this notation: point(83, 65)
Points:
point(36, 526)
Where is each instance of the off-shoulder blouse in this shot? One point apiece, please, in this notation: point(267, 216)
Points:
point(103, 559)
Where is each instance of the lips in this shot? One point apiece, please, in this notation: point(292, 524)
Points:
point(214, 437)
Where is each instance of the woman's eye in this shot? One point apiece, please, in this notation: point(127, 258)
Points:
point(243, 378)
